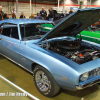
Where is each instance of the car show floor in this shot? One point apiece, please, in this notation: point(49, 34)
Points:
point(24, 79)
point(8, 92)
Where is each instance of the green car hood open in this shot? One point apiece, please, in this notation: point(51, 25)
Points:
point(74, 23)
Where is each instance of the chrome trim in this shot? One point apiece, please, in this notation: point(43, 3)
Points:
point(17, 63)
point(90, 37)
point(79, 87)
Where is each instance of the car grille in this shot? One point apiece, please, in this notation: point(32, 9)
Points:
point(91, 83)
point(94, 72)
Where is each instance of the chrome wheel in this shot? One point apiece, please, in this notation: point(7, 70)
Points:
point(42, 81)
point(45, 82)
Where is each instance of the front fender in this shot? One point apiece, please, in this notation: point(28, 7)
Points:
point(54, 63)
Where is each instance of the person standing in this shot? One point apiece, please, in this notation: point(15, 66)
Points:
point(14, 14)
point(22, 15)
point(51, 14)
point(43, 13)
point(6, 16)
point(38, 16)
point(1, 14)
point(32, 16)
point(70, 12)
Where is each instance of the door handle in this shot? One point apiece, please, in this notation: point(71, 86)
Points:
point(0, 38)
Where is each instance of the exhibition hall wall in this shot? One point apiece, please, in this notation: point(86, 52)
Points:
point(24, 5)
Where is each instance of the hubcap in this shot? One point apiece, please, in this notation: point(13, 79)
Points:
point(42, 81)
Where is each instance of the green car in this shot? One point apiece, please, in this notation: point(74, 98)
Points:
point(46, 27)
point(90, 34)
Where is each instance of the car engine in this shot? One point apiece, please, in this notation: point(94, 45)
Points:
point(75, 51)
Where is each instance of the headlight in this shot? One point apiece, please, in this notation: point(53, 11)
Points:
point(84, 76)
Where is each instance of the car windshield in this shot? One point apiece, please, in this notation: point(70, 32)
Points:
point(34, 31)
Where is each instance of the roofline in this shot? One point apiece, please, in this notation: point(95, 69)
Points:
point(24, 21)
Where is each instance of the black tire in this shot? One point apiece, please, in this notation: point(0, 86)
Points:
point(53, 87)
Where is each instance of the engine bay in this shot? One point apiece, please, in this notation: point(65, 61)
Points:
point(75, 51)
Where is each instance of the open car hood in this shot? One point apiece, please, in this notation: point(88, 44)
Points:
point(74, 23)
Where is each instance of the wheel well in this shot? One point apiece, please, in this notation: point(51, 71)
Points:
point(33, 66)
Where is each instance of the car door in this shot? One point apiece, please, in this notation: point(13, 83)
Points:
point(9, 42)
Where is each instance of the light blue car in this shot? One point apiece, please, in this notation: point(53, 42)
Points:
point(56, 58)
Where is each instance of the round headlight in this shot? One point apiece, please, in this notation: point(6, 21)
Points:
point(84, 76)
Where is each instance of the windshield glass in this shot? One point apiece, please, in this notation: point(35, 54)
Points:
point(34, 31)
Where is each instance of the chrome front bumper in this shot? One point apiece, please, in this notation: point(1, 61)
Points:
point(82, 86)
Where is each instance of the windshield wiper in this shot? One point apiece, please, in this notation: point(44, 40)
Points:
point(31, 37)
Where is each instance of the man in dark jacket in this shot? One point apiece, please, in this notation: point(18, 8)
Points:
point(71, 11)
point(6, 16)
point(43, 13)
point(1, 14)
point(51, 14)
point(22, 15)
point(38, 16)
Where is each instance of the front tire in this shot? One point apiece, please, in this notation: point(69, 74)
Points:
point(44, 82)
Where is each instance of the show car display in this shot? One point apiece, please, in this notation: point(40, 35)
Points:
point(57, 58)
